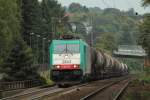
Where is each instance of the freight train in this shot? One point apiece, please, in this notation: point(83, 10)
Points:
point(73, 61)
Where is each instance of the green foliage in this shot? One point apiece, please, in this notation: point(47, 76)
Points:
point(18, 65)
point(20, 18)
point(49, 82)
point(52, 22)
point(103, 44)
point(31, 18)
point(110, 21)
point(145, 76)
point(144, 36)
point(9, 26)
point(146, 2)
point(37, 17)
point(114, 21)
point(76, 7)
point(135, 65)
point(50, 17)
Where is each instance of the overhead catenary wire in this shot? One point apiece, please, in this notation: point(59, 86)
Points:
point(128, 3)
point(106, 4)
point(114, 3)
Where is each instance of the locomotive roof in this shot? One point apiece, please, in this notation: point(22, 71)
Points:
point(76, 41)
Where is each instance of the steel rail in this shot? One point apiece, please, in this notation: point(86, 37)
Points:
point(90, 95)
point(117, 97)
point(29, 93)
point(46, 94)
point(97, 91)
point(65, 92)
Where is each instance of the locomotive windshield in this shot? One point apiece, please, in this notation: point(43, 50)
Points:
point(66, 48)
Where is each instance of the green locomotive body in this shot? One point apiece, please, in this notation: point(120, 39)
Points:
point(70, 60)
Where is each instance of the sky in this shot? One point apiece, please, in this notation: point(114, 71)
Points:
point(120, 4)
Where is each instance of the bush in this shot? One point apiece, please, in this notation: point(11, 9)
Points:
point(18, 66)
point(144, 77)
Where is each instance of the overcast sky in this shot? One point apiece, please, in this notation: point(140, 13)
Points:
point(120, 4)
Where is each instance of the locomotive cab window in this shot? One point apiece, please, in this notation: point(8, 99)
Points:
point(66, 48)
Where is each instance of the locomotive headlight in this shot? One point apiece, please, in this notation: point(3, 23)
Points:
point(66, 56)
point(75, 66)
point(57, 66)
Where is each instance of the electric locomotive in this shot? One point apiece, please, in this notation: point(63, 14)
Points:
point(67, 60)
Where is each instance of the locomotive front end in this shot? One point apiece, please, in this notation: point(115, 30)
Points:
point(65, 61)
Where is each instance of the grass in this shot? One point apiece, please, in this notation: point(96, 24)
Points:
point(49, 82)
point(139, 89)
point(144, 77)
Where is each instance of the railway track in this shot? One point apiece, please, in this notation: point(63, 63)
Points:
point(26, 95)
point(64, 91)
point(111, 91)
point(40, 93)
point(55, 93)
point(82, 91)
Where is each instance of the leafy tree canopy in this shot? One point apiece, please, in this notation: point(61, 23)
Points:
point(146, 2)
point(110, 21)
point(76, 7)
point(18, 65)
point(9, 26)
point(52, 17)
point(106, 42)
point(144, 36)
point(31, 18)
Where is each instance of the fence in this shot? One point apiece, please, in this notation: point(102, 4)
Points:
point(18, 85)
point(42, 68)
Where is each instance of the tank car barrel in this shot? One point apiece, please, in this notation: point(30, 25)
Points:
point(106, 65)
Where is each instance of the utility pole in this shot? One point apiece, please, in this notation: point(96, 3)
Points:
point(31, 39)
point(43, 50)
point(52, 25)
point(37, 48)
point(54, 22)
point(91, 22)
point(48, 56)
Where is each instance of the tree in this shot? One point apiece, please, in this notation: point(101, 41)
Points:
point(52, 15)
point(106, 42)
point(144, 37)
point(31, 19)
point(9, 26)
point(146, 2)
point(110, 20)
point(50, 18)
point(126, 37)
point(18, 65)
point(74, 7)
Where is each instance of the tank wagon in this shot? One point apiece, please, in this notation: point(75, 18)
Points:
point(73, 61)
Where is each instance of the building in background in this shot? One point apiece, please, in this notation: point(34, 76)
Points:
point(133, 55)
